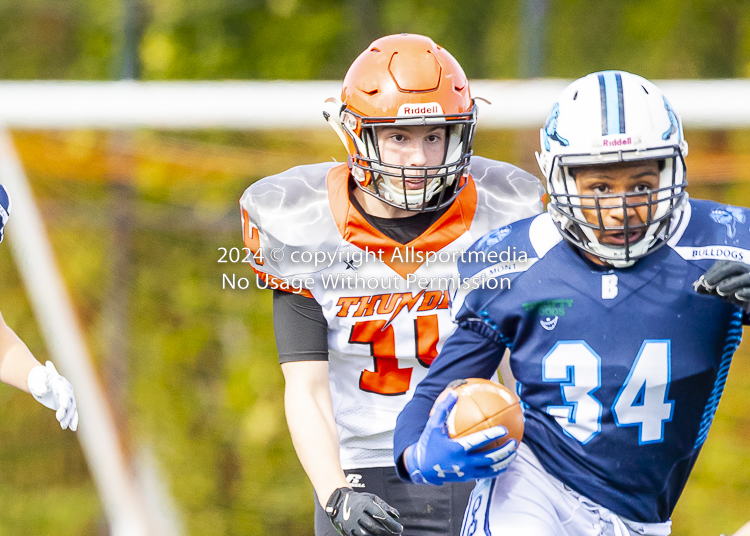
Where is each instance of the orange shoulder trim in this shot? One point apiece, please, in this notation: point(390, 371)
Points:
point(357, 231)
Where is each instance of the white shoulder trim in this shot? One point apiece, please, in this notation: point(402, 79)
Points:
point(717, 251)
point(543, 234)
point(706, 251)
point(686, 214)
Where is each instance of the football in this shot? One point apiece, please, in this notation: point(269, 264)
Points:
point(483, 404)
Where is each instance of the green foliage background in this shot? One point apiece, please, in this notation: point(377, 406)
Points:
point(307, 39)
point(204, 390)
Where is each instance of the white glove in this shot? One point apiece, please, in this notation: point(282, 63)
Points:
point(55, 392)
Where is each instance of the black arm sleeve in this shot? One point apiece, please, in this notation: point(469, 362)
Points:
point(300, 328)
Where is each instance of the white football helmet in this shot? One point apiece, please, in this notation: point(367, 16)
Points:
point(604, 118)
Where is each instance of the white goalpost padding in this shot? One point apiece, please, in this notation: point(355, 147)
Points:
point(266, 105)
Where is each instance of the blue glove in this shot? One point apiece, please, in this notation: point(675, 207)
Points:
point(436, 458)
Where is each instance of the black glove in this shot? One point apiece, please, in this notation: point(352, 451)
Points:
point(361, 514)
point(729, 280)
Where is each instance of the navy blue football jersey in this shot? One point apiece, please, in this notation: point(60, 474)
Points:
point(620, 371)
point(4, 210)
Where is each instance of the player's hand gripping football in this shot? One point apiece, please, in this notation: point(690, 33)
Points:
point(729, 280)
point(55, 392)
point(436, 458)
point(361, 514)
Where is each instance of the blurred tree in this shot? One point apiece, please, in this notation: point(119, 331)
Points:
point(662, 39)
point(313, 39)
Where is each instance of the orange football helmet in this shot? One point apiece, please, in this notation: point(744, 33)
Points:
point(403, 80)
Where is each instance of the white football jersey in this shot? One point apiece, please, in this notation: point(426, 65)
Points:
point(387, 304)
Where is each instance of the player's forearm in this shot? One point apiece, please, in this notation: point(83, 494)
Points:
point(309, 414)
point(16, 361)
point(316, 442)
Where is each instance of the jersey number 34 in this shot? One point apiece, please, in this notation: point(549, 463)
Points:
point(642, 400)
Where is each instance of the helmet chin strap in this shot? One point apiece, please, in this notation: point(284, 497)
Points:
point(620, 264)
point(414, 200)
point(614, 256)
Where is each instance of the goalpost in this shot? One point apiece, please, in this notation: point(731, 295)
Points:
point(270, 105)
point(229, 105)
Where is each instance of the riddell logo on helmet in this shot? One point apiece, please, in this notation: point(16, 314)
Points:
point(617, 142)
point(428, 108)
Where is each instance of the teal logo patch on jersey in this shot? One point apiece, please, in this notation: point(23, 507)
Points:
point(549, 323)
point(548, 308)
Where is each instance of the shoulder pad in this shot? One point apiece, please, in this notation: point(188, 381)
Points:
point(505, 193)
point(506, 252)
point(286, 214)
point(712, 230)
point(512, 248)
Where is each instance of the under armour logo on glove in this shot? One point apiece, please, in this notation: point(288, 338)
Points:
point(426, 459)
point(728, 280)
point(441, 472)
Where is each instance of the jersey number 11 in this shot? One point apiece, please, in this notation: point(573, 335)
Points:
point(388, 378)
